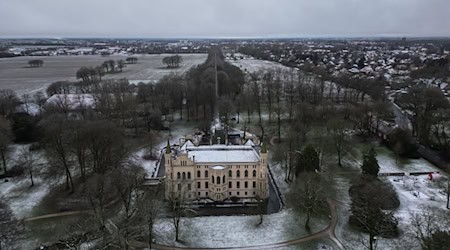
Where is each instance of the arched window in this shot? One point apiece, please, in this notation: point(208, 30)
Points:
point(230, 173)
point(198, 173)
point(223, 179)
point(184, 176)
point(218, 179)
point(246, 173)
point(212, 179)
point(178, 175)
point(254, 173)
point(189, 175)
point(238, 173)
point(206, 173)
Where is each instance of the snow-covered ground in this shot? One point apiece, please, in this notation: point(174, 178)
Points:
point(236, 231)
point(416, 194)
point(178, 131)
point(17, 193)
point(252, 65)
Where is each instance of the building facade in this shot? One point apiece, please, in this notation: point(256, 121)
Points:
point(217, 172)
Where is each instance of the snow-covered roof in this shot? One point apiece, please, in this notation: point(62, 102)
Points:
point(72, 101)
point(220, 153)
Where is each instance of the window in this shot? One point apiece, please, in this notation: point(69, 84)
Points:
point(206, 192)
point(198, 173)
point(179, 187)
point(229, 193)
point(199, 184)
point(238, 174)
point(230, 173)
point(245, 193)
point(178, 175)
point(229, 184)
point(238, 184)
point(184, 176)
point(206, 186)
point(246, 184)
point(254, 173)
point(218, 179)
point(198, 193)
point(189, 175)
point(237, 193)
point(223, 179)
point(189, 187)
point(254, 184)
point(171, 175)
point(212, 179)
point(206, 173)
point(246, 173)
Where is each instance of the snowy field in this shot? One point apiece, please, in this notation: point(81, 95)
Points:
point(252, 65)
point(236, 231)
point(16, 75)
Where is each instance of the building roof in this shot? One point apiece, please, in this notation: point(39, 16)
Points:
point(220, 153)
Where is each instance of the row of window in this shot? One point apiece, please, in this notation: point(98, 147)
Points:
point(230, 174)
point(229, 193)
point(230, 184)
point(245, 166)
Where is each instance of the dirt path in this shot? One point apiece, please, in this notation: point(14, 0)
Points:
point(55, 215)
point(327, 233)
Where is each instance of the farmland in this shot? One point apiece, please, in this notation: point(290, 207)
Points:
point(15, 73)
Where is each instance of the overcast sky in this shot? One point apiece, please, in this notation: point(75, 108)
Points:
point(223, 18)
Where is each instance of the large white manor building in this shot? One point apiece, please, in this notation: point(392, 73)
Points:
point(217, 172)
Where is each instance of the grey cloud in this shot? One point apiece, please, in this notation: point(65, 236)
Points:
point(223, 18)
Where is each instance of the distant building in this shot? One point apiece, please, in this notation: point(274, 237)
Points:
point(217, 172)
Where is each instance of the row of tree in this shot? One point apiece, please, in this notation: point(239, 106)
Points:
point(36, 63)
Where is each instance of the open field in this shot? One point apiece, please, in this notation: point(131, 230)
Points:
point(16, 75)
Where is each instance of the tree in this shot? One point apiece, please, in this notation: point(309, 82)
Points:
point(371, 212)
point(430, 228)
point(56, 143)
point(27, 161)
point(172, 61)
point(308, 195)
point(36, 63)
point(177, 201)
point(150, 209)
point(337, 129)
point(308, 161)
point(127, 181)
point(5, 140)
point(120, 64)
point(424, 102)
point(261, 208)
point(8, 102)
point(131, 60)
point(370, 163)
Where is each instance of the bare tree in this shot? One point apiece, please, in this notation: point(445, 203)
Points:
point(309, 193)
point(426, 224)
point(337, 129)
point(261, 208)
point(150, 209)
point(177, 201)
point(27, 161)
point(56, 141)
point(127, 181)
point(5, 140)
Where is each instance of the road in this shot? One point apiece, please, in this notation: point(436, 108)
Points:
point(327, 233)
